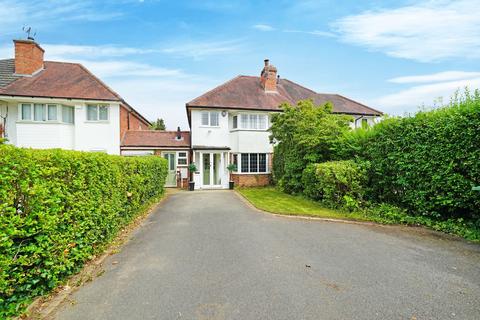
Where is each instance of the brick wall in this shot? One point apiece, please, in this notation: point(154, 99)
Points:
point(28, 57)
point(252, 180)
point(135, 122)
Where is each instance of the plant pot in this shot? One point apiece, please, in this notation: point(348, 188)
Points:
point(191, 186)
point(231, 184)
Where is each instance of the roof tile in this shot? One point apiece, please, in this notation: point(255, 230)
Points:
point(246, 92)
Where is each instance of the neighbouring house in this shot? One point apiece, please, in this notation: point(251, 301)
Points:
point(49, 104)
point(229, 124)
point(172, 145)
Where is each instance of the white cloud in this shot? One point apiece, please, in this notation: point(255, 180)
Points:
point(45, 13)
point(198, 50)
point(427, 31)
point(431, 94)
point(263, 27)
point(314, 32)
point(436, 77)
point(64, 50)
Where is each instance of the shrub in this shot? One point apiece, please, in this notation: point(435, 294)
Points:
point(304, 134)
point(336, 183)
point(59, 208)
point(427, 163)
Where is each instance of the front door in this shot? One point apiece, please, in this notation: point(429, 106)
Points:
point(211, 164)
point(171, 180)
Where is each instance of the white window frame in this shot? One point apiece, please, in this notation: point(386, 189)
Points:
point(98, 106)
point(251, 121)
point(209, 116)
point(58, 111)
point(182, 158)
point(239, 163)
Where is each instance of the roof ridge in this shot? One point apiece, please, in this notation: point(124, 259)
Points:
point(297, 84)
point(379, 112)
point(215, 89)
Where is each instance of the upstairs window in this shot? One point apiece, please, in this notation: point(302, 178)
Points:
point(252, 122)
point(210, 118)
point(97, 112)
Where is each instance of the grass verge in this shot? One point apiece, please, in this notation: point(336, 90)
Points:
point(275, 201)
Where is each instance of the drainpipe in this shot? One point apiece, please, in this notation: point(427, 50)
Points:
point(357, 120)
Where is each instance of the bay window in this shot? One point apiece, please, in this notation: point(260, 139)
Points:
point(251, 122)
point(40, 112)
point(252, 162)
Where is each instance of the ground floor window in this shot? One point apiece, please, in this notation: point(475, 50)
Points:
point(252, 162)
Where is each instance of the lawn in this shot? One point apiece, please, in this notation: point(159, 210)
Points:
point(274, 201)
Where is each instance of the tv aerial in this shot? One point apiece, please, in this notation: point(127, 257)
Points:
point(30, 33)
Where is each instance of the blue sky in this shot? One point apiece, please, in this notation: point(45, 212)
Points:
point(392, 55)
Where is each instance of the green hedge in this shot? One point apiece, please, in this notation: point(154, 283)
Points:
point(59, 208)
point(427, 163)
point(337, 184)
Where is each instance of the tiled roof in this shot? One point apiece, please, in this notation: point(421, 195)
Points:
point(61, 80)
point(7, 70)
point(246, 92)
point(155, 138)
point(57, 80)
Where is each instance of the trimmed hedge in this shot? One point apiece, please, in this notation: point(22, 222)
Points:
point(337, 184)
point(427, 163)
point(59, 208)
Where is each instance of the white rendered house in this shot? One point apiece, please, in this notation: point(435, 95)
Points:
point(46, 104)
point(229, 124)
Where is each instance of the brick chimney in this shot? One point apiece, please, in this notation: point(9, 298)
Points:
point(268, 77)
point(28, 57)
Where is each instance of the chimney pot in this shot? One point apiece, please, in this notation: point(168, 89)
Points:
point(268, 77)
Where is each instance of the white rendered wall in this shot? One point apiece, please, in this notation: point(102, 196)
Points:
point(209, 136)
point(103, 136)
point(84, 135)
point(45, 135)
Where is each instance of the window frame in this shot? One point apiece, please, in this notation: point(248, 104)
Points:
point(250, 121)
point(179, 157)
point(248, 156)
point(97, 107)
point(209, 115)
point(47, 114)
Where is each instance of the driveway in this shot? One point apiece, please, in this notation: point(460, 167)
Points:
point(208, 255)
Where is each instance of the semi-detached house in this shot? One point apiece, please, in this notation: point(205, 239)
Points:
point(229, 124)
point(49, 104)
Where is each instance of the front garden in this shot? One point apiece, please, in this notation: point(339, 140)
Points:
point(418, 170)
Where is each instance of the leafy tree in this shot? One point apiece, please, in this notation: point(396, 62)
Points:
point(303, 134)
point(159, 124)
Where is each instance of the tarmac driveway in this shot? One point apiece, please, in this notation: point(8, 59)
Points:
point(208, 255)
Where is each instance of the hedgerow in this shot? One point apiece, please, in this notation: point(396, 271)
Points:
point(426, 163)
point(59, 208)
point(337, 184)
